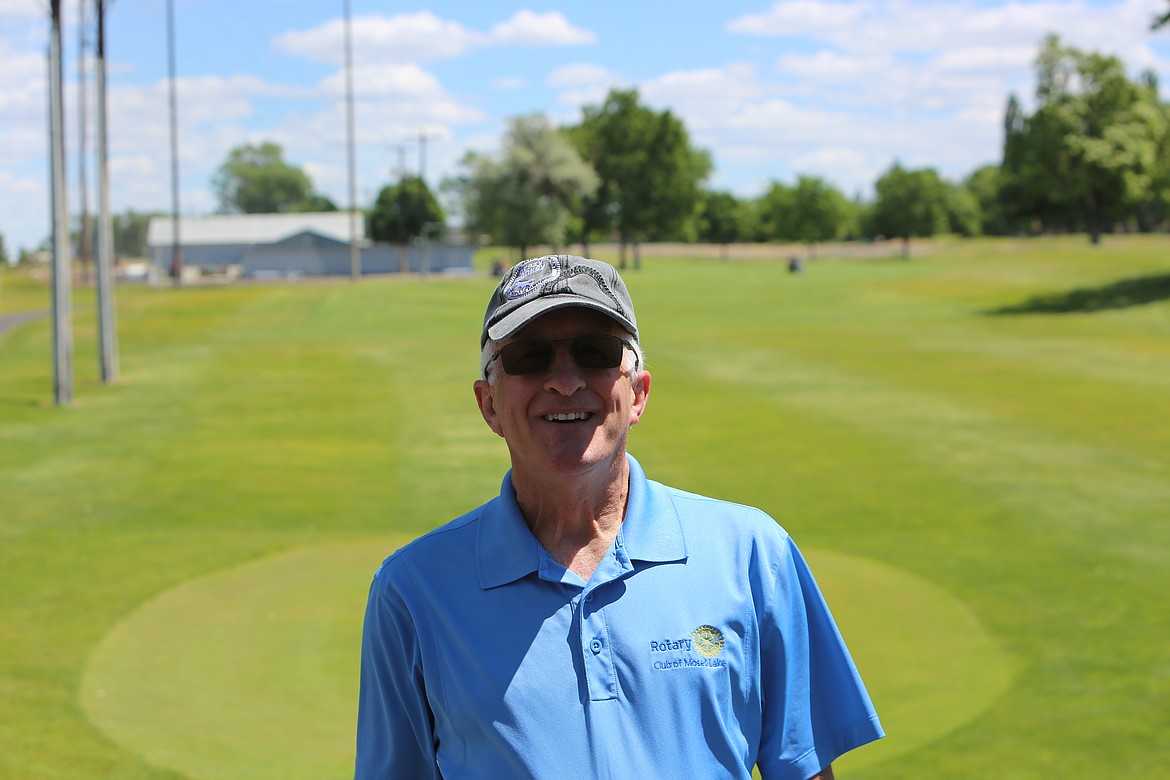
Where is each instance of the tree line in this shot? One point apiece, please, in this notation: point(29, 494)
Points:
point(1093, 156)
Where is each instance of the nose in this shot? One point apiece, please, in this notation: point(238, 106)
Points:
point(563, 376)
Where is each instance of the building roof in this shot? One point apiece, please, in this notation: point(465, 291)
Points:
point(251, 228)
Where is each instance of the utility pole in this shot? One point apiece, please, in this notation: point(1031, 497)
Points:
point(403, 263)
point(355, 255)
point(176, 269)
point(107, 330)
point(84, 247)
point(423, 137)
point(62, 271)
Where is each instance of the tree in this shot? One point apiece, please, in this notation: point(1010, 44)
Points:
point(649, 172)
point(819, 212)
point(964, 215)
point(1160, 21)
point(1091, 151)
point(774, 211)
point(316, 202)
point(130, 231)
point(3, 250)
point(255, 179)
point(402, 210)
point(909, 204)
point(526, 195)
point(985, 186)
point(721, 219)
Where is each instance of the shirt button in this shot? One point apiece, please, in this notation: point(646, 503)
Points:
point(595, 646)
point(589, 597)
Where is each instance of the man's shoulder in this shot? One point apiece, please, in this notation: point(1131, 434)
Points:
point(438, 547)
point(718, 513)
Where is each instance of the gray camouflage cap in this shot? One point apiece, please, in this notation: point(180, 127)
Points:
point(543, 284)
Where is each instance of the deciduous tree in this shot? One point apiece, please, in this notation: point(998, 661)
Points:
point(525, 195)
point(255, 179)
point(1092, 151)
point(649, 172)
point(402, 210)
point(721, 219)
point(909, 204)
point(819, 212)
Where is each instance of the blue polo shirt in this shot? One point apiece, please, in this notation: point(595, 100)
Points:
point(699, 648)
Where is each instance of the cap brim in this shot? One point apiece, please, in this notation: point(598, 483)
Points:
point(515, 320)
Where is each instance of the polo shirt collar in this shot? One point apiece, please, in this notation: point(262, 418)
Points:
point(507, 551)
point(651, 531)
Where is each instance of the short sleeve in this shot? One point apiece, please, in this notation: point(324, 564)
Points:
point(395, 727)
point(815, 705)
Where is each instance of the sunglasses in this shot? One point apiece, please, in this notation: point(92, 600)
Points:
point(532, 356)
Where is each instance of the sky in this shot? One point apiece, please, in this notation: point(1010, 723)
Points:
point(773, 90)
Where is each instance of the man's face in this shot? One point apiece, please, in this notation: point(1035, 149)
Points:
point(564, 420)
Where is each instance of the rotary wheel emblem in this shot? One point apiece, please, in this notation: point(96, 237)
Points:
point(708, 641)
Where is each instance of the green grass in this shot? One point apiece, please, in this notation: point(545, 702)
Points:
point(983, 496)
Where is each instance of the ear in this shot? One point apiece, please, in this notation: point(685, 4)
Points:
point(487, 406)
point(641, 389)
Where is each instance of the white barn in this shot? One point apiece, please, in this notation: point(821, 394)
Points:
point(287, 245)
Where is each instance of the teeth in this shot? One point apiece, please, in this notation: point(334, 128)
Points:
point(567, 416)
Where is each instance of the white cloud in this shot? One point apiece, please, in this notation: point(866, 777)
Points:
point(527, 28)
point(583, 83)
point(23, 8)
point(581, 74)
point(1001, 60)
point(828, 66)
point(900, 26)
point(416, 37)
point(802, 17)
point(423, 37)
point(23, 203)
point(383, 80)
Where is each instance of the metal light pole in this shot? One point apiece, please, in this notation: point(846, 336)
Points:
point(107, 331)
point(84, 247)
point(176, 269)
point(423, 137)
point(403, 264)
point(62, 271)
point(355, 256)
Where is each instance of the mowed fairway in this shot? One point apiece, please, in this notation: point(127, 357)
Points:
point(973, 447)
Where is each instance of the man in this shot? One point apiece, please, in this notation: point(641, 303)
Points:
point(587, 622)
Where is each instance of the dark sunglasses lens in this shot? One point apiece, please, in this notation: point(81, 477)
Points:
point(536, 355)
point(596, 351)
point(526, 357)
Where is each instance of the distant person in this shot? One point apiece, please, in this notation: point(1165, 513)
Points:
point(588, 622)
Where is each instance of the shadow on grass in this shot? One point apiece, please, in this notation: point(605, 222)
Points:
point(1117, 295)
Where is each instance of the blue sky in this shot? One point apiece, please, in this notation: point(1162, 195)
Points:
point(772, 89)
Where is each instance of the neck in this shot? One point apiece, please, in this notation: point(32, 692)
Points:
point(575, 518)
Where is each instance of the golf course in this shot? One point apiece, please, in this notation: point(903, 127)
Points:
point(972, 447)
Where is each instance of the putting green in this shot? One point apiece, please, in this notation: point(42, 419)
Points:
point(251, 672)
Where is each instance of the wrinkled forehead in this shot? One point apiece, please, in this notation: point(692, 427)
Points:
point(568, 322)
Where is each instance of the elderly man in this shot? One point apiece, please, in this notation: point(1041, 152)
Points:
point(588, 622)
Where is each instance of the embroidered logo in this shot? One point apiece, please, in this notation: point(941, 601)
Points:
point(531, 276)
point(700, 650)
point(708, 641)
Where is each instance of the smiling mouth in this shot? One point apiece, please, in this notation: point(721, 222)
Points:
point(565, 417)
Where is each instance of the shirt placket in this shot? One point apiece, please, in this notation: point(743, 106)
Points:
point(595, 635)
